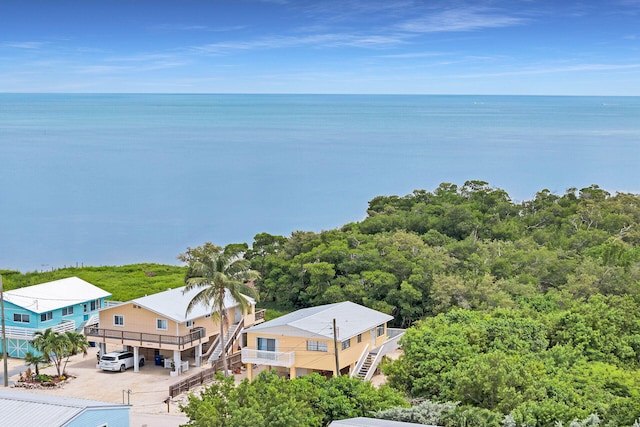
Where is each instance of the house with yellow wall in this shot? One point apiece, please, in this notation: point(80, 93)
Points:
point(158, 327)
point(308, 340)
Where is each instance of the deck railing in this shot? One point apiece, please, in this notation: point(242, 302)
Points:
point(143, 337)
point(108, 303)
point(204, 376)
point(260, 315)
point(272, 358)
point(22, 333)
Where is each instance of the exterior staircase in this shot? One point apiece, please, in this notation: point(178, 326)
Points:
point(366, 366)
point(92, 321)
point(229, 338)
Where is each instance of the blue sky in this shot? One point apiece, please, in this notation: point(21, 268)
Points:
point(342, 46)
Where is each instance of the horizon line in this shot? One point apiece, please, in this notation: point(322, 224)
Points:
point(319, 94)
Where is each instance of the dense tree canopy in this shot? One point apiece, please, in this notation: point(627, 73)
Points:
point(469, 247)
point(528, 309)
point(272, 401)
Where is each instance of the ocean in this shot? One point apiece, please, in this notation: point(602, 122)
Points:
point(119, 179)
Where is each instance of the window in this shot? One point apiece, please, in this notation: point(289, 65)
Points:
point(46, 316)
point(316, 346)
point(189, 323)
point(95, 305)
point(267, 348)
point(161, 324)
point(21, 318)
point(267, 344)
point(346, 344)
point(380, 331)
point(118, 320)
point(67, 311)
point(359, 338)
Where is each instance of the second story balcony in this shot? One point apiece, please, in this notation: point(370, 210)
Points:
point(144, 339)
point(272, 358)
point(22, 333)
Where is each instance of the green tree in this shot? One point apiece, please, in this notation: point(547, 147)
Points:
point(218, 273)
point(53, 345)
point(35, 360)
point(273, 401)
point(76, 343)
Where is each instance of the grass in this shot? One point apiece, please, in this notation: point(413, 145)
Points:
point(125, 282)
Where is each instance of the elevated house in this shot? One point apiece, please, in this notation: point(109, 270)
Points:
point(62, 305)
point(158, 327)
point(20, 408)
point(304, 341)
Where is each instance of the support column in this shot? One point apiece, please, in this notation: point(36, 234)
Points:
point(176, 361)
point(250, 371)
point(136, 359)
point(292, 372)
point(198, 354)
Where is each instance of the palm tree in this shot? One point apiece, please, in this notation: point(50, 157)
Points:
point(35, 360)
point(76, 343)
point(218, 273)
point(52, 345)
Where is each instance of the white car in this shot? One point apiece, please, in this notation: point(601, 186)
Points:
point(118, 361)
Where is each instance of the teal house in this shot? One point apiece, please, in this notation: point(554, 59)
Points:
point(62, 305)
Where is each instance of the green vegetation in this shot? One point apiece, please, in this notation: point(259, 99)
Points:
point(519, 314)
point(272, 401)
point(528, 309)
point(124, 283)
point(57, 348)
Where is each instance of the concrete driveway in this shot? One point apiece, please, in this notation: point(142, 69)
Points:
point(145, 391)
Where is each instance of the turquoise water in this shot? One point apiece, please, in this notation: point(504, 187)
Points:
point(115, 179)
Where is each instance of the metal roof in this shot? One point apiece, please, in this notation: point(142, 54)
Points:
point(351, 319)
point(373, 422)
point(173, 303)
point(20, 408)
point(53, 295)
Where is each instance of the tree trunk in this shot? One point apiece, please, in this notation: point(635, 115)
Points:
point(223, 321)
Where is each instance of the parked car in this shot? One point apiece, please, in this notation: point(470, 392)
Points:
point(118, 361)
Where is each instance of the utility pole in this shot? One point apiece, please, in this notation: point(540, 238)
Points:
point(335, 347)
point(4, 336)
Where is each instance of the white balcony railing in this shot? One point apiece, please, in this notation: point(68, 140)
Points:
point(22, 333)
point(272, 358)
point(108, 303)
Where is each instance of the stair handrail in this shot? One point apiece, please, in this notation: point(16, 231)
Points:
point(374, 365)
point(232, 339)
point(212, 348)
point(361, 360)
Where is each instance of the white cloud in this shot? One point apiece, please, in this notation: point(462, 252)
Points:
point(459, 20)
point(317, 40)
point(25, 45)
